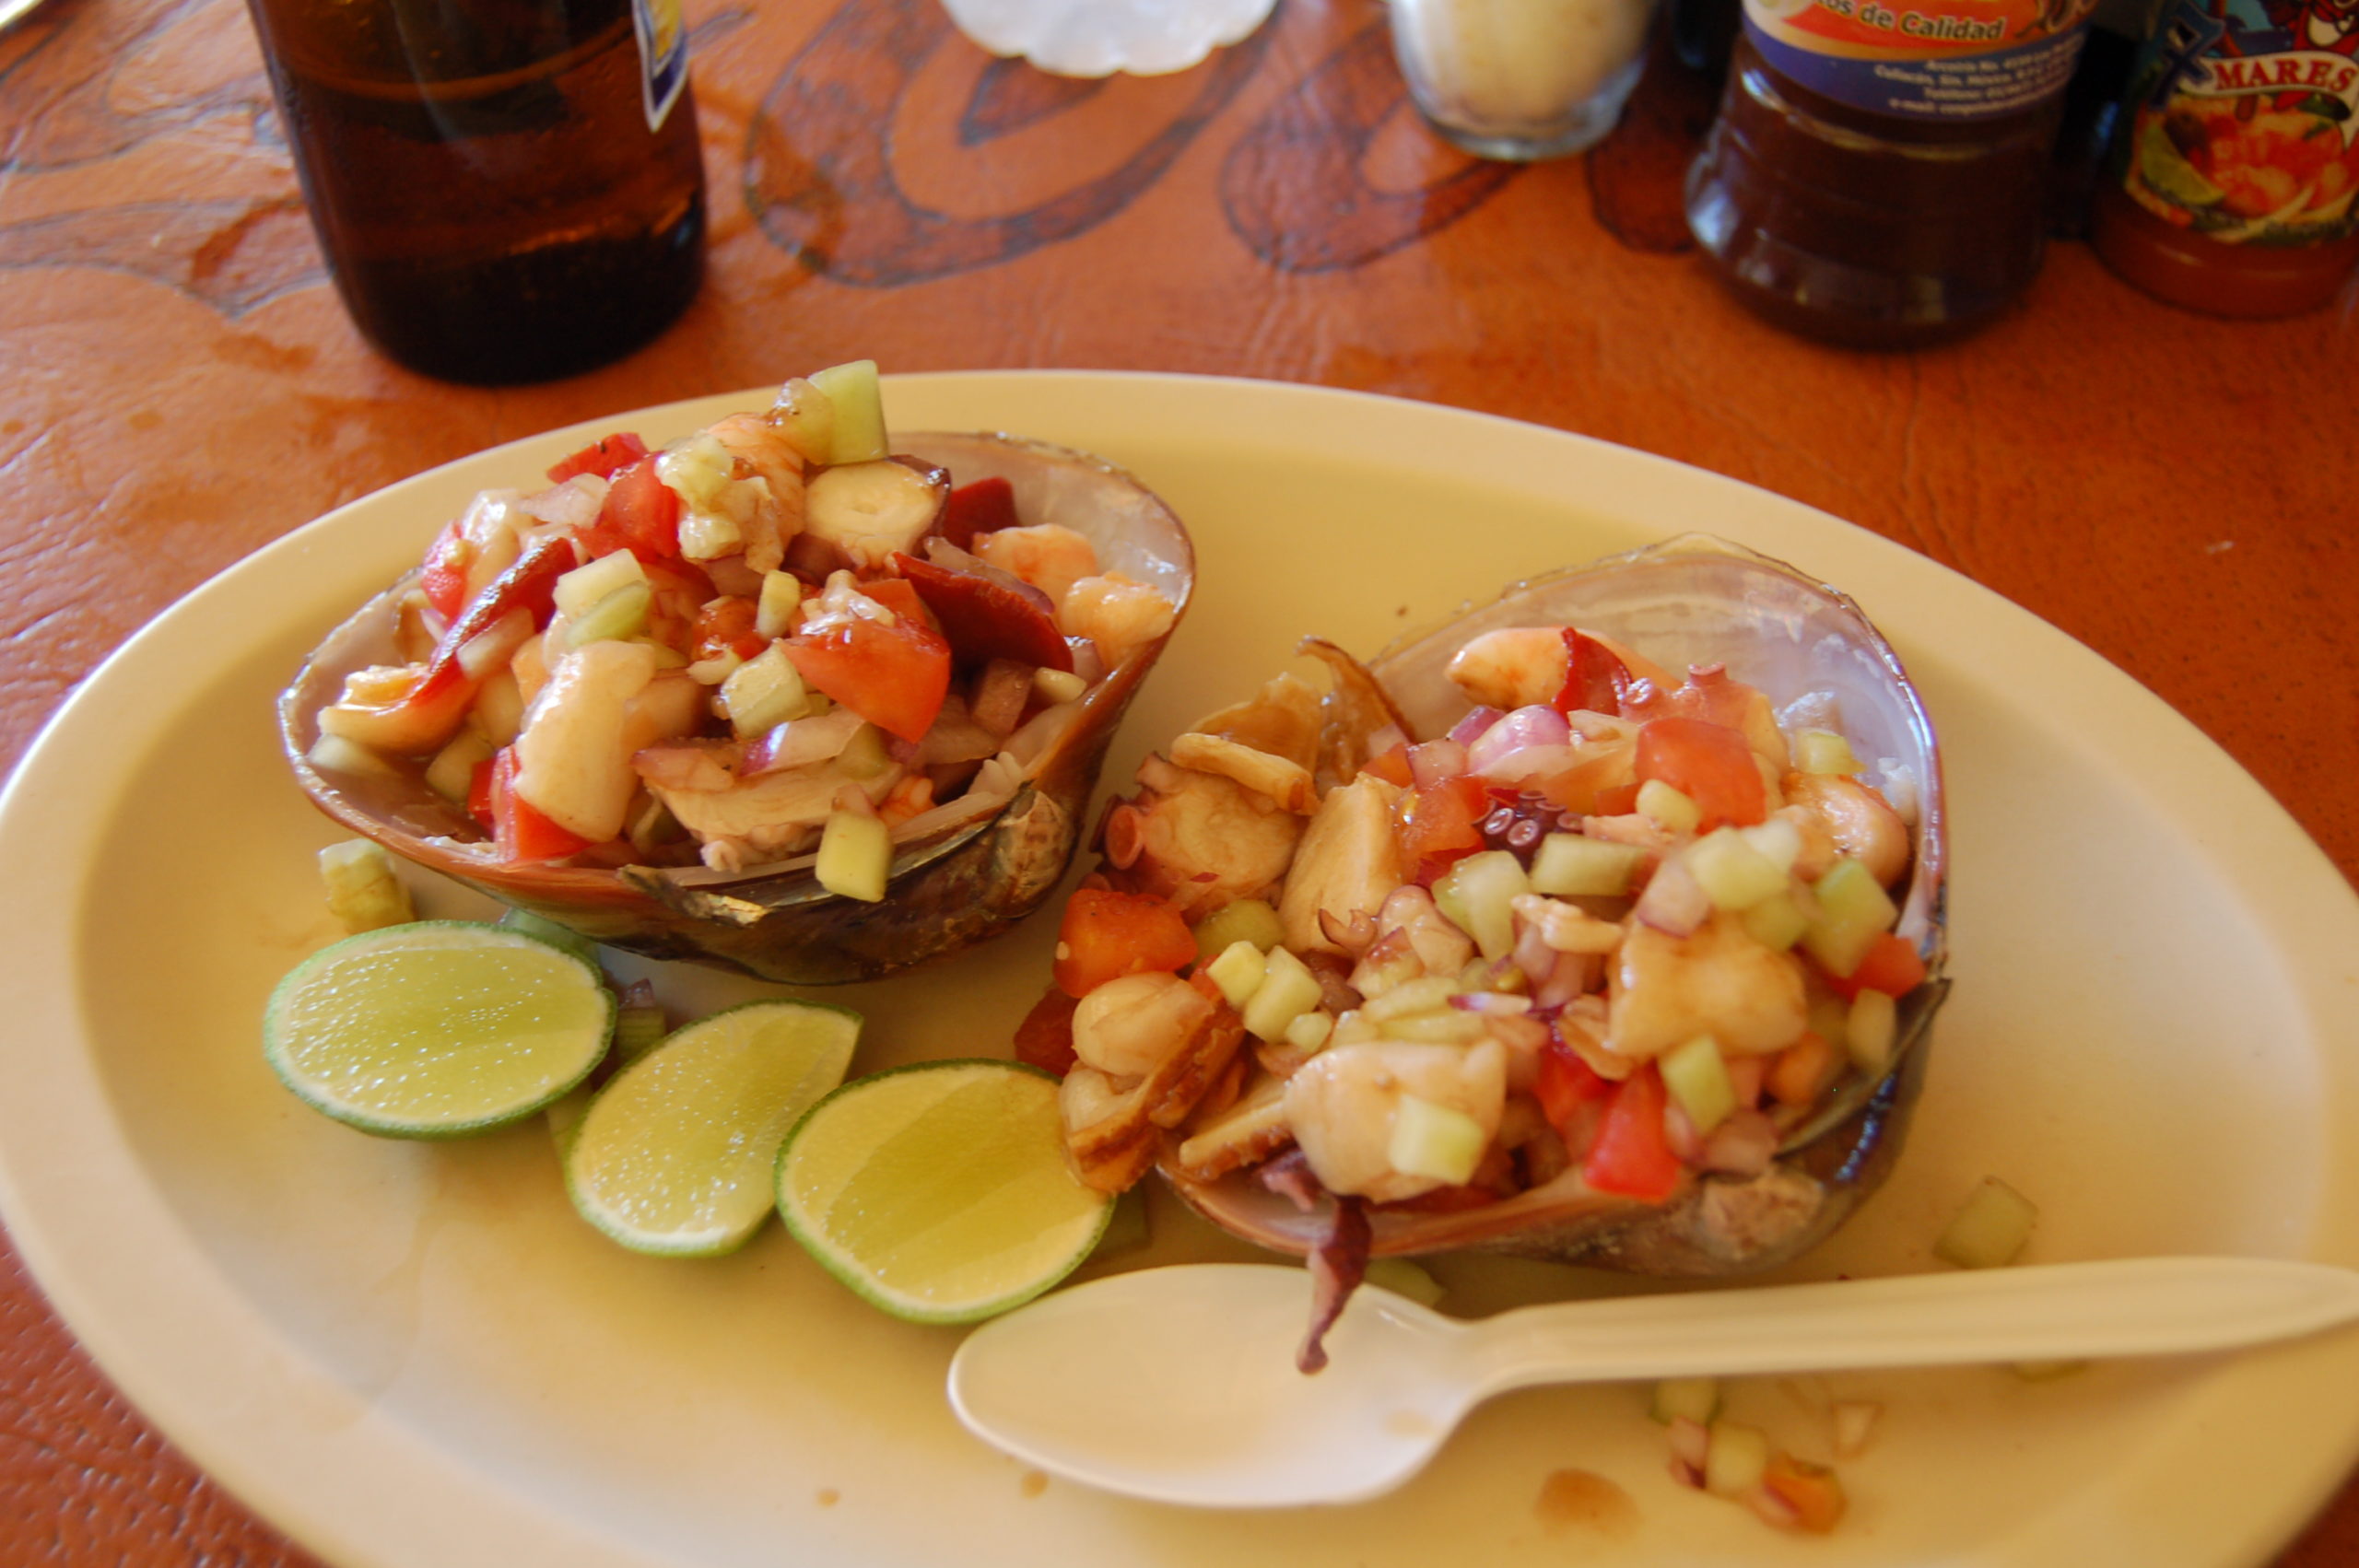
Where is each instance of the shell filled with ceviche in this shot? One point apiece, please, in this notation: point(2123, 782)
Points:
point(1602, 924)
point(788, 695)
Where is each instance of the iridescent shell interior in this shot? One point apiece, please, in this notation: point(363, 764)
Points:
point(1695, 599)
point(960, 873)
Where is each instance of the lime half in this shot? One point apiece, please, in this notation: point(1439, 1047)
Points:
point(940, 1192)
point(676, 1154)
point(437, 1028)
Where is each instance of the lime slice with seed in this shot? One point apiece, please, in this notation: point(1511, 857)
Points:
point(437, 1028)
point(940, 1192)
point(674, 1155)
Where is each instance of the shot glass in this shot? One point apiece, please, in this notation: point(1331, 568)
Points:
point(1520, 79)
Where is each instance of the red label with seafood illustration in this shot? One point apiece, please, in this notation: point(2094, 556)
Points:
point(2243, 120)
point(1930, 59)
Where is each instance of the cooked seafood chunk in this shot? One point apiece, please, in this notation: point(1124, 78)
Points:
point(1342, 1104)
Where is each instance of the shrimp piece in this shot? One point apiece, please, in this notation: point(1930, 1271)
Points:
point(759, 443)
point(1861, 823)
point(1120, 614)
point(573, 757)
point(1342, 1104)
point(1514, 667)
point(1665, 990)
point(1048, 556)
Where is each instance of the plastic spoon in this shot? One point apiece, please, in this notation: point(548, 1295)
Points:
point(1179, 1385)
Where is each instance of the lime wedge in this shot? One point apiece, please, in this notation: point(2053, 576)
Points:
point(676, 1154)
point(437, 1028)
point(940, 1192)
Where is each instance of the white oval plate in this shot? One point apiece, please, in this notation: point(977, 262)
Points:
point(417, 1355)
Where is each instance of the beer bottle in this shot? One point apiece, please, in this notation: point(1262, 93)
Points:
point(504, 189)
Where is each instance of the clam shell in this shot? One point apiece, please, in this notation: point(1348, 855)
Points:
point(965, 876)
point(1694, 600)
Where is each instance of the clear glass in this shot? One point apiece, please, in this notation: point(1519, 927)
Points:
point(1521, 79)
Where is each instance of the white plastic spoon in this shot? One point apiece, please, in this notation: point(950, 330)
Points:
point(1179, 1385)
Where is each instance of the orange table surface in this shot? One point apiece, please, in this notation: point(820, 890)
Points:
point(180, 386)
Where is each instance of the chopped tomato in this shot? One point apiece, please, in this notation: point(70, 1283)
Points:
point(1710, 763)
point(1566, 1085)
point(517, 829)
point(444, 577)
point(1595, 677)
point(479, 794)
point(601, 457)
point(1890, 965)
point(1392, 764)
point(641, 514)
point(987, 619)
point(1107, 935)
point(726, 625)
point(1045, 1037)
point(983, 507)
point(1632, 1155)
point(893, 676)
point(1439, 824)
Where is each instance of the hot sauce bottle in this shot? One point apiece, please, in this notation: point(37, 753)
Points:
point(2230, 179)
point(1878, 174)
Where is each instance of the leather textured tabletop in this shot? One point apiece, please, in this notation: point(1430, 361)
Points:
point(179, 386)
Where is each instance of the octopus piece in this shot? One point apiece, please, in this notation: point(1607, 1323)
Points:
point(1346, 866)
point(1198, 839)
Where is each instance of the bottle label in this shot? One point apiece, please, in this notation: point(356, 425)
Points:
point(662, 56)
point(1938, 61)
point(2240, 118)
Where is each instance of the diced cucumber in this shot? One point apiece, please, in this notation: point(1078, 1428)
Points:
point(857, 402)
point(585, 585)
point(1426, 993)
point(1288, 989)
point(764, 691)
point(1697, 1078)
point(774, 612)
point(1435, 1141)
point(334, 754)
point(451, 774)
point(807, 418)
point(1667, 807)
point(1477, 896)
point(1869, 1030)
point(1058, 685)
point(1238, 971)
point(363, 892)
point(1990, 1230)
point(1404, 1278)
point(1247, 919)
point(1736, 1458)
point(855, 856)
point(1309, 1031)
point(1733, 874)
point(1853, 911)
point(622, 614)
point(1444, 1026)
point(637, 1030)
point(1824, 751)
point(498, 711)
point(1569, 865)
point(1686, 1398)
point(1776, 922)
point(1777, 840)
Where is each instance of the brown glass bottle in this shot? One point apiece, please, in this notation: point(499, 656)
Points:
point(1871, 229)
point(499, 187)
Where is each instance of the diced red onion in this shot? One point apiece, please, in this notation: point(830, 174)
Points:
point(799, 742)
point(1772, 1509)
point(1679, 1132)
point(1474, 725)
point(1434, 762)
point(574, 504)
point(1526, 763)
point(1674, 902)
point(1691, 1441)
point(1530, 726)
point(1492, 1003)
point(1533, 955)
point(689, 765)
point(1742, 1145)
